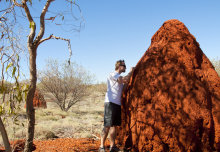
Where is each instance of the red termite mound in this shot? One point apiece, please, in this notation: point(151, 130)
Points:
point(18, 146)
point(172, 102)
point(39, 101)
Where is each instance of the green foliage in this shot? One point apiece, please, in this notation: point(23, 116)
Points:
point(12, 93)
point(8, 66)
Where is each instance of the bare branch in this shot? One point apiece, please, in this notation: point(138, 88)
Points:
point(7, 10)
point(17, 4)
point(42, 21)
point(41, 41)
point(31, 21)
point(69, 45)
point(59, 38)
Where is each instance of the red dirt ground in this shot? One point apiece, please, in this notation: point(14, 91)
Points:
point(66, 145)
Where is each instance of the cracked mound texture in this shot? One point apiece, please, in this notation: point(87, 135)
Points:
point(39, 101)
point(172, 102)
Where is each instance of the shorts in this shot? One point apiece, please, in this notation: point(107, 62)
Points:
point(112, 114)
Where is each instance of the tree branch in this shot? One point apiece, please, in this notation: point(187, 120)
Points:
point(31, 21)
point(42, 21)
point(59, 38)
point(41, 41)
point(17, 4)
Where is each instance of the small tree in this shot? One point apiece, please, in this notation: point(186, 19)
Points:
point(67, 83)
point(11, 91)
point(25, 9)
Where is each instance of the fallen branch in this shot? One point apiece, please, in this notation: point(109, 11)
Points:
point(95, 136)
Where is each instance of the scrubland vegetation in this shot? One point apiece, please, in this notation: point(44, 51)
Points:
point(83, 120)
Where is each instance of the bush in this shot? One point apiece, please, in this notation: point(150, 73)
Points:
point(67, 83)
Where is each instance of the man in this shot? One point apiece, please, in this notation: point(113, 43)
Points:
point(112, 111)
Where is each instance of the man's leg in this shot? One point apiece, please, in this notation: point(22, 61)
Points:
point(104, 135)
point(112, 135)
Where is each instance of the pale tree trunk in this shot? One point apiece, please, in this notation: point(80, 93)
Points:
point(33, 43)
point(4, 136)
point(32, 48)
point(29, 101)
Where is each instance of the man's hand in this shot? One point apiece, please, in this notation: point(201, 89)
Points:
point(131, 70)
point(127, 77)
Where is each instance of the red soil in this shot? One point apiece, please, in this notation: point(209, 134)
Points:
point(67, 145)
point(172, 102)
point(63, 145)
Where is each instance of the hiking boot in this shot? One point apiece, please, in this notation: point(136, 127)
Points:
point(101, 149)
point(114, 149)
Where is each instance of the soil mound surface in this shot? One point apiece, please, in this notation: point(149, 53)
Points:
point(38, 101)
point(172, 102)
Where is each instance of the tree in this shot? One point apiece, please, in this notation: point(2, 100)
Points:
point(68, 83)
point(11, 91)
point(33, 41)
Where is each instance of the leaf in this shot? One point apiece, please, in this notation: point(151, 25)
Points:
point(25, 87)
point(13, 72)
point(1, 110)
point(16, 123)
point(9, 65)
point(9, 110)
point(18, 58)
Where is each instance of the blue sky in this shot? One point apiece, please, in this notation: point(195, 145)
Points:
point(122, 29)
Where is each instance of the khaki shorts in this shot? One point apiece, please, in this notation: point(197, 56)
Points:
point(112, 114)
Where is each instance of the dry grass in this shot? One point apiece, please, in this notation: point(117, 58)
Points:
point(84, 119)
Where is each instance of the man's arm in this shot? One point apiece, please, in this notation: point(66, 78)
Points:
point(126, 78)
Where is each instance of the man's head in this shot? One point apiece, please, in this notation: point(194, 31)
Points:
point(120, 66)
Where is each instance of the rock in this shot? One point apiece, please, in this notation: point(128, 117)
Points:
point(172, 102)
point(50, 135)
